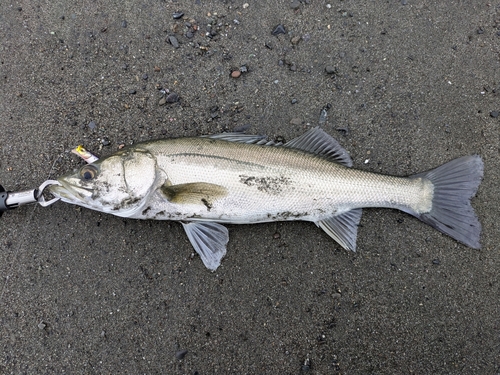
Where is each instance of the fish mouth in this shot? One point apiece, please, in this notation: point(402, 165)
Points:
point(70, 193)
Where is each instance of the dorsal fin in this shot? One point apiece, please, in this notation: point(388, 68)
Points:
point(315, 141)
point(244, 138)
point(320, 143)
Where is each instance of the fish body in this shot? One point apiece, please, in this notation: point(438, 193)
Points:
point(241, 179)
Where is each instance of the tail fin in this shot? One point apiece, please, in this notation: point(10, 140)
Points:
point(455, 183)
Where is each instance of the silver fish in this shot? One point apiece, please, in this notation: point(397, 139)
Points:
point(243, 179)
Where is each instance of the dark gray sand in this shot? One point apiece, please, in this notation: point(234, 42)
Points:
point(411, 85)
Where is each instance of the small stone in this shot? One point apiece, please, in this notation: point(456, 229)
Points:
point(172, 98)
point(329, 69)
point(145, 76)
point(132, 91)
point(480, 30)
point(42, 325)
point(157, 69)
point(295, 121)
point(162, 101)
point(436, 261)
point(280, 29)
point(296, 40)
point(295, 4)
point(276, 236)
point(494, 114)
point(235, 73)
point(173, 41)
point(92, 125)
point(177, 15)
point(294, 101)
point(105, 142)
point(124, 24)
point(180, 354)
point(243, 69)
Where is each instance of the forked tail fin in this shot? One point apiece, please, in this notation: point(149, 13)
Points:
point(455, 183)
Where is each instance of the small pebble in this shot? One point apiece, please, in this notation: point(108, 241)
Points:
point(124, 24)
point(294, 101)
point(157, 69)
point(132, 91)
point(296, 40)
point(172, 98)
point(494, 114)
point(92, 125)
point(173, 41)
point(243, 69)
point(235, 73)
point(144, 76)
point(162, 101)
point(178, 15)
point(42, 325)
point(436, 261)
point(295, 121)
point(295, 4)
point(329, 69)
point(280, 29)
point(105, 142)
point(180, 354)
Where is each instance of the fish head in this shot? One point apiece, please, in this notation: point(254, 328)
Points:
point(118, 184)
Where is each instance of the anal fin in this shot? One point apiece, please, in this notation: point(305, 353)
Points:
point(209, 240)
point(343, 228)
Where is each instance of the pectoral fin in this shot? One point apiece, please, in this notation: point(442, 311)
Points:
point(209, 240)
point(194, 193)
point(343, 228)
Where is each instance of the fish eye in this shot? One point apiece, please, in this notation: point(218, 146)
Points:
point(88, 172)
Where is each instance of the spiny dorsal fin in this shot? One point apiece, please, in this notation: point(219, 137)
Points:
point(244, 138)
point(315, 141)
point(320, 143)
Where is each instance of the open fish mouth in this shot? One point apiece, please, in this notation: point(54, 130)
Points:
point(71, 193)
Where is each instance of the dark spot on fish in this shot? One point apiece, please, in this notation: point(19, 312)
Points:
point(207, 204)
point(267, 184)
point(144, 212)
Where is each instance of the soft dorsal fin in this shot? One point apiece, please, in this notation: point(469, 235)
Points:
point(320, 143)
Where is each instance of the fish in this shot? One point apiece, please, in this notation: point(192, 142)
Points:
point(235, 178)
